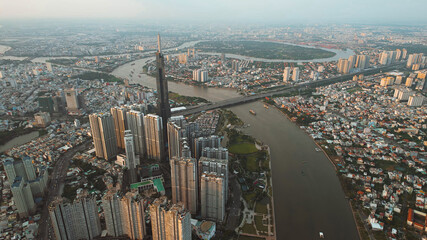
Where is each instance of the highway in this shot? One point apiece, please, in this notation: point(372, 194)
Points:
point(56, 180)
point(283, 90)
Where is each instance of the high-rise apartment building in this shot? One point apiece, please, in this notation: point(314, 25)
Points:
point(120, 125)
point(295, 74)
point(153, 126)
point(362, 61)
point(216, 153)
point(184, 182)
point(124, 215)
point(212, 196)
point(204, 76)
point(131, 160)
point(197, 75)
point(218, 166)
point(71, 98)
point(343, 66)
point(286, 74)
point(135, 123)
point(169, 222)
point(204, 142)
point(76, 220)
point(176, 139)
point(22, 196)
point(103, 134)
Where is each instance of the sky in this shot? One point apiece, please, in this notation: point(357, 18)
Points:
point(203, 11)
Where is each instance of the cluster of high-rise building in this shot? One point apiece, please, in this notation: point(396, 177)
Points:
point(287, 74)
point(416, 61)
point(75, 220)
point(27, 183)
point(64, 101)
point(200, 75)
point(199, 175)
point(344, 66)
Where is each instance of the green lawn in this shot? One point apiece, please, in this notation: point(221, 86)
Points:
point(249, 198)
point(259, 225)
point(261, 208)
point(248, 228)
point(242, 148)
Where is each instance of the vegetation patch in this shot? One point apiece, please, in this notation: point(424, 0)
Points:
point(97, 75)
point(267, 50)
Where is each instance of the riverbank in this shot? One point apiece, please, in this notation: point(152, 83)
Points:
point(250, 168)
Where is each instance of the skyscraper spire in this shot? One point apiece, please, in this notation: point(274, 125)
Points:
point(158, 44)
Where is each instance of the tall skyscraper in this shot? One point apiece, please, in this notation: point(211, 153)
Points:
point(153, 126)
point(135, 122)
point(120, 124)
point(124, 215)
point(184, 182)
point(212, 196)
point(131, 161)
point(77, 220)
point(295, 75)
point(163, 97)
point(72, 100)
point(103, 134)
point(22, 197)
point(286, 74)
point(169, 222)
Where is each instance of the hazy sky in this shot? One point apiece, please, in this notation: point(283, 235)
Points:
point(281, 11)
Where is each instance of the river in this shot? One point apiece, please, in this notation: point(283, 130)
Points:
point(308, 198)
point(19, 141)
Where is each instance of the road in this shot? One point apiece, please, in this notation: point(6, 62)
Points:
point(286, 89)
point(56, 179)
